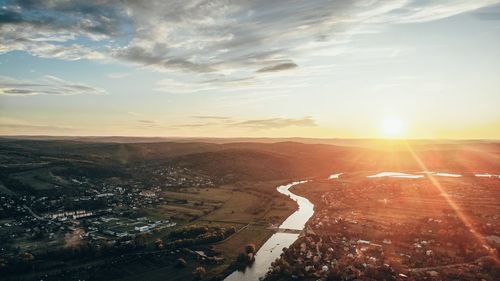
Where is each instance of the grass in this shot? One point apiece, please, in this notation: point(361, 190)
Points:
point(235, 205)
point(180, 211)
point(210, 195)
point(250, 207)
point(240, 207)
point(5, 190)
point(40, 179)
point(252, 234)
point(188, 204)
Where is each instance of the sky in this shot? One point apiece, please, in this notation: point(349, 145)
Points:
point(327, 69)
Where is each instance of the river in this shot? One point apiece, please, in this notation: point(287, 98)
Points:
point(272, 248)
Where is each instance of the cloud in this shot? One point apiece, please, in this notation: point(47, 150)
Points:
point(94, 19)
point(48, 28)
point(146, 121)
point(133, 113)
point(158, 58)
point(211, 117)
point(277, 123)
point(235, 39)
point(170, 85)
point(9, 126)
point(208, 121)
point(197, 125)
point(182, 85)
point(34, 127)
point(47, 85)
point(416, 11)
point(278, 67)
point(260, 124)
point(49, 50)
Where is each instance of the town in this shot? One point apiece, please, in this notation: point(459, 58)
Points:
point(96, 211)
point(396, 229)
point(155, 211)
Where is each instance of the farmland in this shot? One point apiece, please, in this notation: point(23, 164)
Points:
point(101, 210)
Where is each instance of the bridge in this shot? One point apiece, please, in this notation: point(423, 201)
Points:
point(287, 230)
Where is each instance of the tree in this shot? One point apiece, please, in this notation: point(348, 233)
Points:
point(26, 257)
point(180, 263)
point(199, 272)
point(159, 244)
point(140, 241)
point(250, 249)
point(242, 259)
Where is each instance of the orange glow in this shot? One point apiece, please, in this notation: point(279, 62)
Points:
point(460, 214)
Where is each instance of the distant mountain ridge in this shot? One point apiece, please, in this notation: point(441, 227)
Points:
point(264, 161)
point(334, 141)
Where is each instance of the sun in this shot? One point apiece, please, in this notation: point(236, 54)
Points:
point(392, 127)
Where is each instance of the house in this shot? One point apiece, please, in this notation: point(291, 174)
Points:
point(142, 228)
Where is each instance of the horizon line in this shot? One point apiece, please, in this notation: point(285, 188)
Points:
point(248, 137)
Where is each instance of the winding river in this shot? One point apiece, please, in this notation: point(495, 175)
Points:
point(272, 248)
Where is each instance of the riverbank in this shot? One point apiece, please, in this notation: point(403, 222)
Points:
point(272, 248)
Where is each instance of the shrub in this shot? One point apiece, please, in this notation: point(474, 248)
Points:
point(180, 263)
point(199, 272)
point(250, 249)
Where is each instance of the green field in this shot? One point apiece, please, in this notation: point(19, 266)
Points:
point(40, 179)
point(5, 190)
point(237, 205)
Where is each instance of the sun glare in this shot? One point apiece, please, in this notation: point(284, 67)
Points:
point(392, 127)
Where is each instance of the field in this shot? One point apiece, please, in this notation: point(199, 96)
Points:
point(250, 207)
point(404, 200)
point(232, 186)
point(256, 203)
point(41, 179)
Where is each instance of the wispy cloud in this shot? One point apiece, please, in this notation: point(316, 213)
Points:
point(146, 121)
point(170, 85)
point(47, 85)
point(133, 113)
point(15, 126)
point(149, 123)
point(212, 117)
point(276, 123)
point(278, 67)
point(416, 11)
point(260, 124)
point(197, 125)
point(237, 42)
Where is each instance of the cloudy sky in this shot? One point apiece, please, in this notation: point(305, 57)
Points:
point(276, 68)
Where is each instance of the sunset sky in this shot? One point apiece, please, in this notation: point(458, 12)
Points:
point(335, 69)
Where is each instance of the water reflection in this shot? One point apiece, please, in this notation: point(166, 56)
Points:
point(395, 175)
point(273, 247)
point(334, 176)
point(413, 176)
